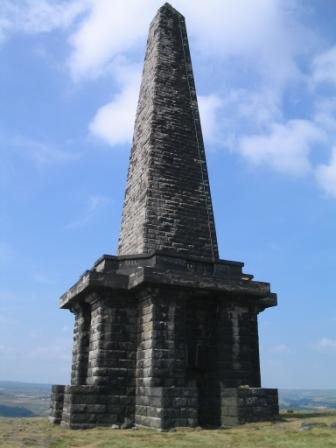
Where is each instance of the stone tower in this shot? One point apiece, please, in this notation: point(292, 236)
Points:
point(165, 332)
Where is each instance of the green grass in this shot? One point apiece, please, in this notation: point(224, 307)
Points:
point(37, 432)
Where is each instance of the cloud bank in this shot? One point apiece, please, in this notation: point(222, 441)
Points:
point(273, 101)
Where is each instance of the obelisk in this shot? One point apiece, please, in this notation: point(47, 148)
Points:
point(166, 333)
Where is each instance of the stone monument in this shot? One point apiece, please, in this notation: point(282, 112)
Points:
point(166, 332)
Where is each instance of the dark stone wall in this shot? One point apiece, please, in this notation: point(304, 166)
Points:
point(90, 406)
point(244, 405)
point(167, 200)
point(193, 345)
point(163, 357)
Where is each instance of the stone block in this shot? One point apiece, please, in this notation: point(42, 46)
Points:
point(249, 405)
point(56, 404)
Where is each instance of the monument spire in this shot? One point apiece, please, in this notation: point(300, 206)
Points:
point(167, 201)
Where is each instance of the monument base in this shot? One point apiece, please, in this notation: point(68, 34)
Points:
point(164, 341)
point(82, 407)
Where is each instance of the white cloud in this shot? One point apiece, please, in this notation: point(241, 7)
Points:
point(285, 147)
point(250, 30)
point(235, 28)
point(326, 175)
point(41, 153)
point(238, 29)
point(324, 67)
point(256, 108)
point(94, 203)
point(209, 106)
point(109, 30)
point(325, 115)
point(255, 44)
point(242, 111)
point(243, 29)
point(326, 344)
point(29, 16)
point(114, 121)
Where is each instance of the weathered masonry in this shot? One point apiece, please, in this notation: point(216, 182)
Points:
point(166, 332)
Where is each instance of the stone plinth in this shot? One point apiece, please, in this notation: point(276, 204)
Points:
point(164, 341)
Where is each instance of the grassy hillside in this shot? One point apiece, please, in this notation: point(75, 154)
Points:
point(293, 432)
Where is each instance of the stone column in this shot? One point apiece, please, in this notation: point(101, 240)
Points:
point(56, 404)
point(113, 342)
point(255, 359)
point(80, 349)
point(203, 356)
point(96, 343)
point(112, 352)
point(163, 398)
point(246, 346)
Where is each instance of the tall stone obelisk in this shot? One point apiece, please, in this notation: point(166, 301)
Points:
point(168, 202)
point(166, 333)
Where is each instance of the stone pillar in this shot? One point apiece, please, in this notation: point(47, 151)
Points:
point(226, 352)
point(235, 340)
point(112, 351)
point(163, 397)
point(238, 350)
point(56, 404)
point(81, 343)
point(245, 350)
point(113, 342)
point(203, 359)
point(254, 349)
point(108, 396)
point(220, 333)
point(96, 373)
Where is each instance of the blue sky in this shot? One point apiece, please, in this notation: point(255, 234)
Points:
point(266, 79)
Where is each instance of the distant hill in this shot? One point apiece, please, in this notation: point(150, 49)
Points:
point(307, 399)
point(15, 411)
point(24, 399)
point(15, 386)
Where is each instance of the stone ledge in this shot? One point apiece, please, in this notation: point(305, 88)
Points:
point(127, 273)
